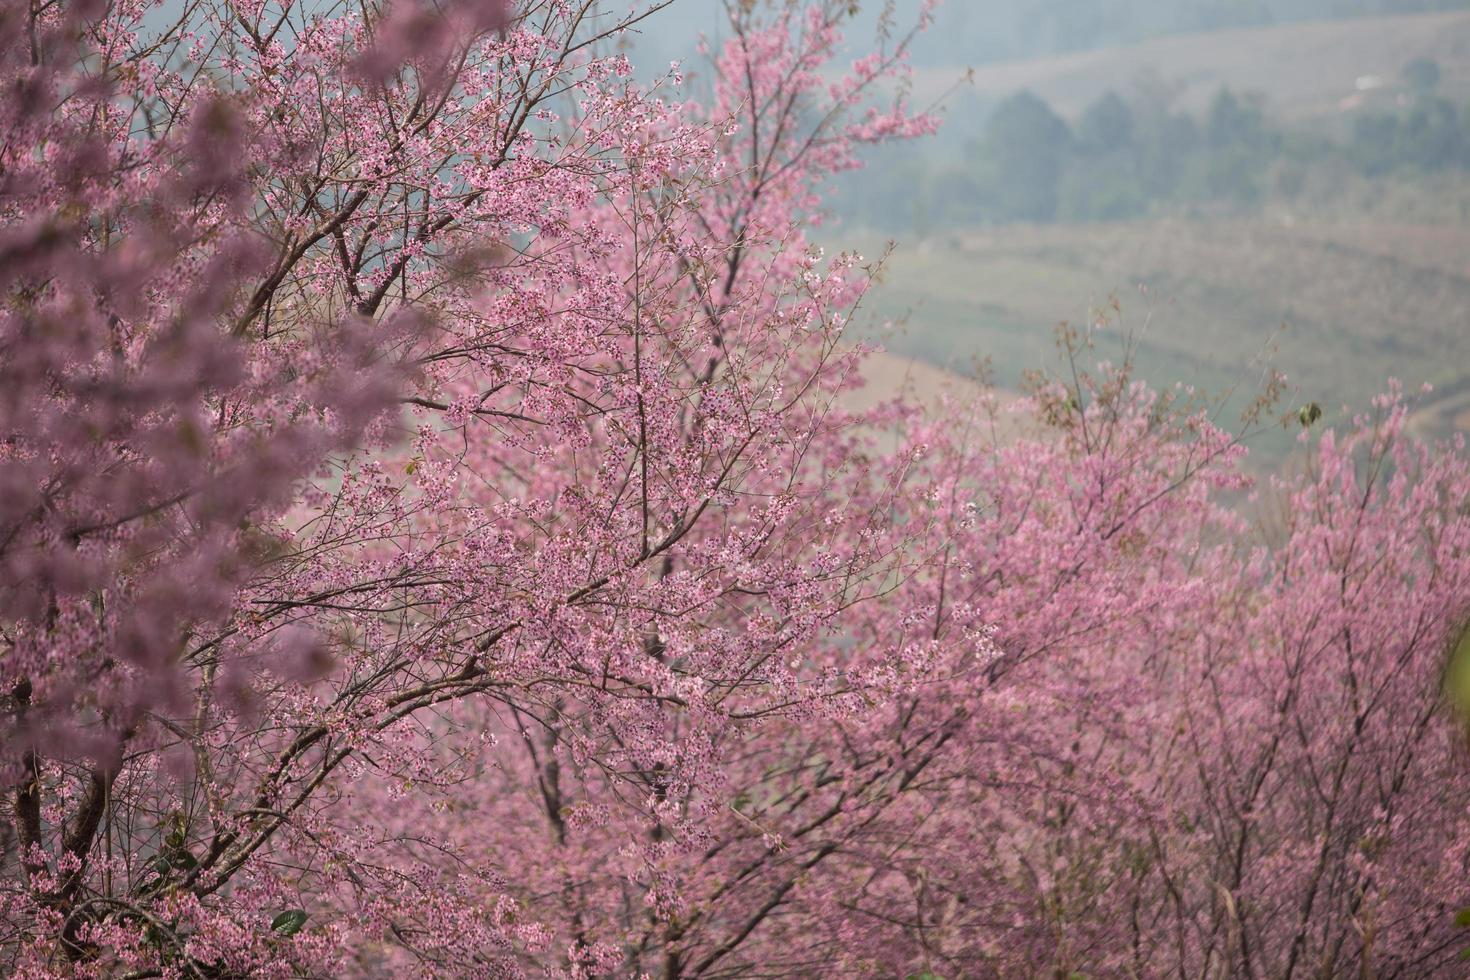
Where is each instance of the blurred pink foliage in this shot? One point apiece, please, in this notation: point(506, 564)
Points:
point(433, 542)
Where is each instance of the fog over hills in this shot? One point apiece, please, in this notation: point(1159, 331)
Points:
point(976, 32)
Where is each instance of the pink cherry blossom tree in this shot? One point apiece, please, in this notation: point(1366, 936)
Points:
point(433, 542)
point(380, 381)
point(1202, 745)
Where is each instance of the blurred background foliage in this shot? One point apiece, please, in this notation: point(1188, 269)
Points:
point(1231, 181)
point(1132, 155)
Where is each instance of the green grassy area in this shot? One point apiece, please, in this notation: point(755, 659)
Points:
point(1339, 307)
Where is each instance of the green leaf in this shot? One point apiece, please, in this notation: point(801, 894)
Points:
point(1457, 677)
point(289, 922)
point(1462, 918)
point(1308, 414)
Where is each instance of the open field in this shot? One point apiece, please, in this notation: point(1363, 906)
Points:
point(1308, 69)
point(1340, 308)
point(888, 375)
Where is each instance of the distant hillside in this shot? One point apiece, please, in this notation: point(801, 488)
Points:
point(1306, 70)
point(975, 33)
point(1344, 307)
point(983, 32)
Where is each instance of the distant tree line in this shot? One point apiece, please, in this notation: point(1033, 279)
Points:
point(1126, 158)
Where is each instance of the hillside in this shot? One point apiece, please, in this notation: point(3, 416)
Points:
point(1340, 307)
point(1308, 69)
